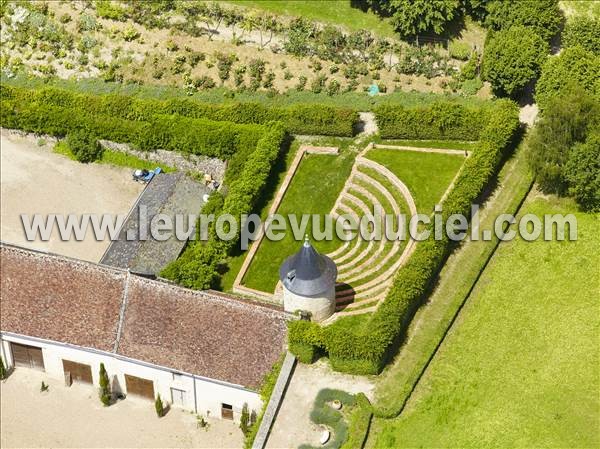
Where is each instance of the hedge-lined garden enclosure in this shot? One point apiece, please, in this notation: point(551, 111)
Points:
point(363, 345)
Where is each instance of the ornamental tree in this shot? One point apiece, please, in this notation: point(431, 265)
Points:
point(512, 59)
point(411, 17)
point(582, 172)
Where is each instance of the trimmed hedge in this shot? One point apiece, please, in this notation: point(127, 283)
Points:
point(359, 422)
point(440, 120)
point(147, 132)
point(197, 266)
point(298, 119)
point(365, 350)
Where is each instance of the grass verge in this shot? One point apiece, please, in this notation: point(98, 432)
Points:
point(521, 366)
point(456, 279)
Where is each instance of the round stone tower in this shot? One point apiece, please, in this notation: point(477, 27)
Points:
point(308, 280)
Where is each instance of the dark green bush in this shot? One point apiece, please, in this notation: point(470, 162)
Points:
point(84, 146)
point(573, 68)
point(117, 119)
point(582, 172)
point(542, 16)
point(359, 422)
point(365, 349)
point(441, 120)
point(512, 59)
point(322, 413)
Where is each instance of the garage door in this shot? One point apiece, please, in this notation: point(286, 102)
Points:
point(79, 371)
point(27, 356)
point(139, 387)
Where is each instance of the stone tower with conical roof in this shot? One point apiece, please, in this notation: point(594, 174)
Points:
point(308, 280)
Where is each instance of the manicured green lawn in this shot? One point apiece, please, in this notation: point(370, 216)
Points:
point(335, 12)
point(427, 175)
point(313, 190)
point(443, 144)
point(521, 366)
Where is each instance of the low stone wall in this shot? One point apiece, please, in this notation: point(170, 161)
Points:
point(191, 162)
point(275, 401)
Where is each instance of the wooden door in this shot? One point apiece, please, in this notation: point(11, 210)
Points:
point(139, 387)
point(80, 372)
point(27, 356)
point(227, 411)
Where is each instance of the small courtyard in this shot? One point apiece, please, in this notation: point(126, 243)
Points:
point(74, 417)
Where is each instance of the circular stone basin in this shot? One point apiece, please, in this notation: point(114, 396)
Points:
point(336, 404)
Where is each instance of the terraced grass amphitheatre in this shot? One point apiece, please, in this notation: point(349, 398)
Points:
point(388, 179)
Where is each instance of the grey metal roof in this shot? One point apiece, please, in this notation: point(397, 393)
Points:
point(307, 272)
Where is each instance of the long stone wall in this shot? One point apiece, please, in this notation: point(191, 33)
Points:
point(189, 162)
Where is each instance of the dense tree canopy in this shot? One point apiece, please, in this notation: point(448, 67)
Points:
point(411, 17)
point(566, 121)
point(513, 58)
point(574, 67)
point(543, 16)
point(582, 172)
point(583, 31)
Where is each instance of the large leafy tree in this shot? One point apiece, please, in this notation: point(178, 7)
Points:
point(543, 16)
point(583, 31)
point(411, 17)
point(566, 121)
point(582, 172)
point(512, 59)
point(574, 67)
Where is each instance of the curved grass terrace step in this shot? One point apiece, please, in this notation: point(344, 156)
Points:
point(366, 271)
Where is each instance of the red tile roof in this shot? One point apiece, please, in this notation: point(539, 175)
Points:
point(75, 302)
point(59, 299)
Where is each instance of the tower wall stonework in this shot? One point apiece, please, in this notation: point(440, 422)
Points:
point(320, 306)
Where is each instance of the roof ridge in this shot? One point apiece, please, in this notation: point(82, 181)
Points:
point(122, 313)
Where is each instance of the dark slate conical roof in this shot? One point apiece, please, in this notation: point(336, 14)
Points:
point(307, 272)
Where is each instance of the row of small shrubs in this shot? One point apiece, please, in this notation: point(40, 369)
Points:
point(440, 120)
point(365, 349)
point(198, 266)
point(311, 119)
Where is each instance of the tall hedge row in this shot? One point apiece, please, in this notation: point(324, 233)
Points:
point(365, 350)
point(298, 119)
point(169, 132)
point(197, 267)
point(440, 120)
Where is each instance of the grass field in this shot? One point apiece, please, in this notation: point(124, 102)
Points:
point(313, 190)
point(427, 175)
point(115, 158)
point(520, 367)
point(335, 12)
